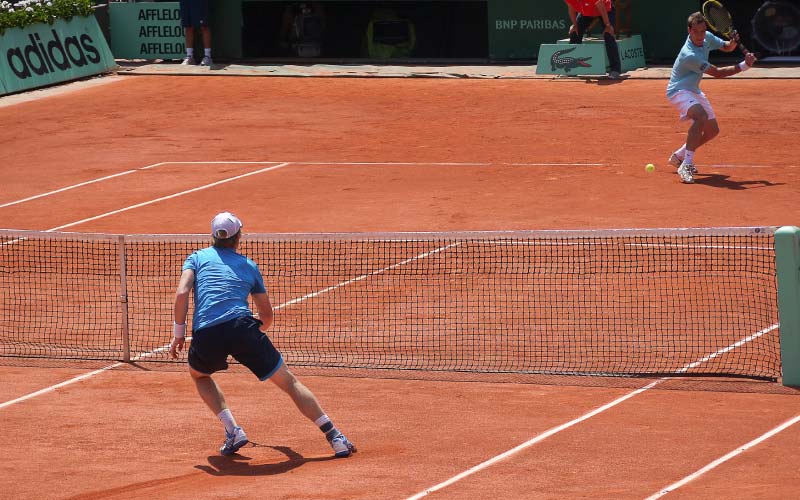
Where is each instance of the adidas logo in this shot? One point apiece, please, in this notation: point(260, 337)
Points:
point(40, 57)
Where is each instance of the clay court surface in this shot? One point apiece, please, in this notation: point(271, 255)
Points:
point(163, 154)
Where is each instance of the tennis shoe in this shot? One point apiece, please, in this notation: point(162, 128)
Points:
point(188, 61)
point(342, 447)
point(206, 61)
point(685, 171)
point(233, 441)
point(677, 162)
point(614, 75)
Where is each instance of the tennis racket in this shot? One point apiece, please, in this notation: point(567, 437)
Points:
point(719, 19)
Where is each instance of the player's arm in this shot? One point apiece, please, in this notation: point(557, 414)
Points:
point(729, 46)
point(601, 8)
point(179, 312)
point(264, 307)
point(716, 72)
point(573, 16)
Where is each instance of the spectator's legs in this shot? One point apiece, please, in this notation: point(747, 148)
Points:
point(206, 33)
point(189, 34)
point(612, 50)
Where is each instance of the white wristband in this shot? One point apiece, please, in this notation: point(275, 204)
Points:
point(743, 66)
point(179, 331)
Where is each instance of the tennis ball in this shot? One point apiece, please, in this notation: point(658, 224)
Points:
point(650, 167)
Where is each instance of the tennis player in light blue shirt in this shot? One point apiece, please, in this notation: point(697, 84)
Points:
point(223, 281)
point(683, 90)
point(223, 325)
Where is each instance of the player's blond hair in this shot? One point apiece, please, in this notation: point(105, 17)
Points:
point(696, 18)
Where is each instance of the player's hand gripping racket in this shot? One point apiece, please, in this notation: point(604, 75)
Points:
point(719, 19)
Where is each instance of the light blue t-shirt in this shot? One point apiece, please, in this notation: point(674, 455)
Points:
point(691, 63)
point(223, 281)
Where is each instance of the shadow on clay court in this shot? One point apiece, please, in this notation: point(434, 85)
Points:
point(239, 464)
point(724, 181)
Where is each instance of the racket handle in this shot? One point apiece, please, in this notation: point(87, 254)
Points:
point(739, 43)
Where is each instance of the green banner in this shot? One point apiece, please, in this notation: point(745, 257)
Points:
point(146, 30)
point(631, 52)
point(566, 59)
point(44, 54)
point(517, 28)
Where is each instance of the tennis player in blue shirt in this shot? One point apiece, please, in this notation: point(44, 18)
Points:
point(223, 325)
point(683, 90)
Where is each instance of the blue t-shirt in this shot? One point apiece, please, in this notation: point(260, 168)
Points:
point(223, 281)
point(691, 63)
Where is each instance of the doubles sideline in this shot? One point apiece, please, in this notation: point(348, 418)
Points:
point(555, 430)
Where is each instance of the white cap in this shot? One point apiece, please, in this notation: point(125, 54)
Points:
point(225, 225)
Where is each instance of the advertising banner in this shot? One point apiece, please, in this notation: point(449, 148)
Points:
point(44, 54)
point(146, 30)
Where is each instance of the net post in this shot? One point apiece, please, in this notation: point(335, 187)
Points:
point(787, 264)
point(123, 302)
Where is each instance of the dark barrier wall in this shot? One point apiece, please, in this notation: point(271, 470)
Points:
point(514, 29)
point(518, 27)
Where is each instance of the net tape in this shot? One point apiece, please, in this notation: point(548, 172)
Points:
point(616, 302)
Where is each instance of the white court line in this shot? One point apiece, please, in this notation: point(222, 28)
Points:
point(557, 429)
point(120, 174)
point(365, 276)
point(81, 377)
point(163, 348)
point(188, 191)
point(61, 190)
point(721, 460)
point(526, 444)
point(748, 166)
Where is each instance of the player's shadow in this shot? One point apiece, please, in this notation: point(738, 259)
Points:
point(724, 181)
point(238, 464)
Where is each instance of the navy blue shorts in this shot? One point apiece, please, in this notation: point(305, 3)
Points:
point(240, 338)
point(194, 13)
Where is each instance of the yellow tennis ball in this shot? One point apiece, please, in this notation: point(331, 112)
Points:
point(650, 167)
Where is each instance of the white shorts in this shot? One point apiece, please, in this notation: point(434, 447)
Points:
point(685, 99)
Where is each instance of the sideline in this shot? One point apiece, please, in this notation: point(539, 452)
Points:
point(555, 430)
point(691, 477)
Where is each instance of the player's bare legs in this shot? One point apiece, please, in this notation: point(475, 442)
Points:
point(309, 406)
point(208, 391)
point(235, 437)
point(694, 138)
point(700, 132)
point(304, 399)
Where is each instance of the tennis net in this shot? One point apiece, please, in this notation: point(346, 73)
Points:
point(611, 303)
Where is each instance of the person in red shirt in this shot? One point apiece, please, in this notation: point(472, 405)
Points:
point(583, 13)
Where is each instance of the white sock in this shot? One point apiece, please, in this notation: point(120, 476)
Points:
point(681, 152)
point(226, 417)
point(326, 426)
point(207, 52)
point(689, 158)
point(189, 51)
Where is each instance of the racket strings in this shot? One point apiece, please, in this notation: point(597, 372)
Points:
point(718, 18)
